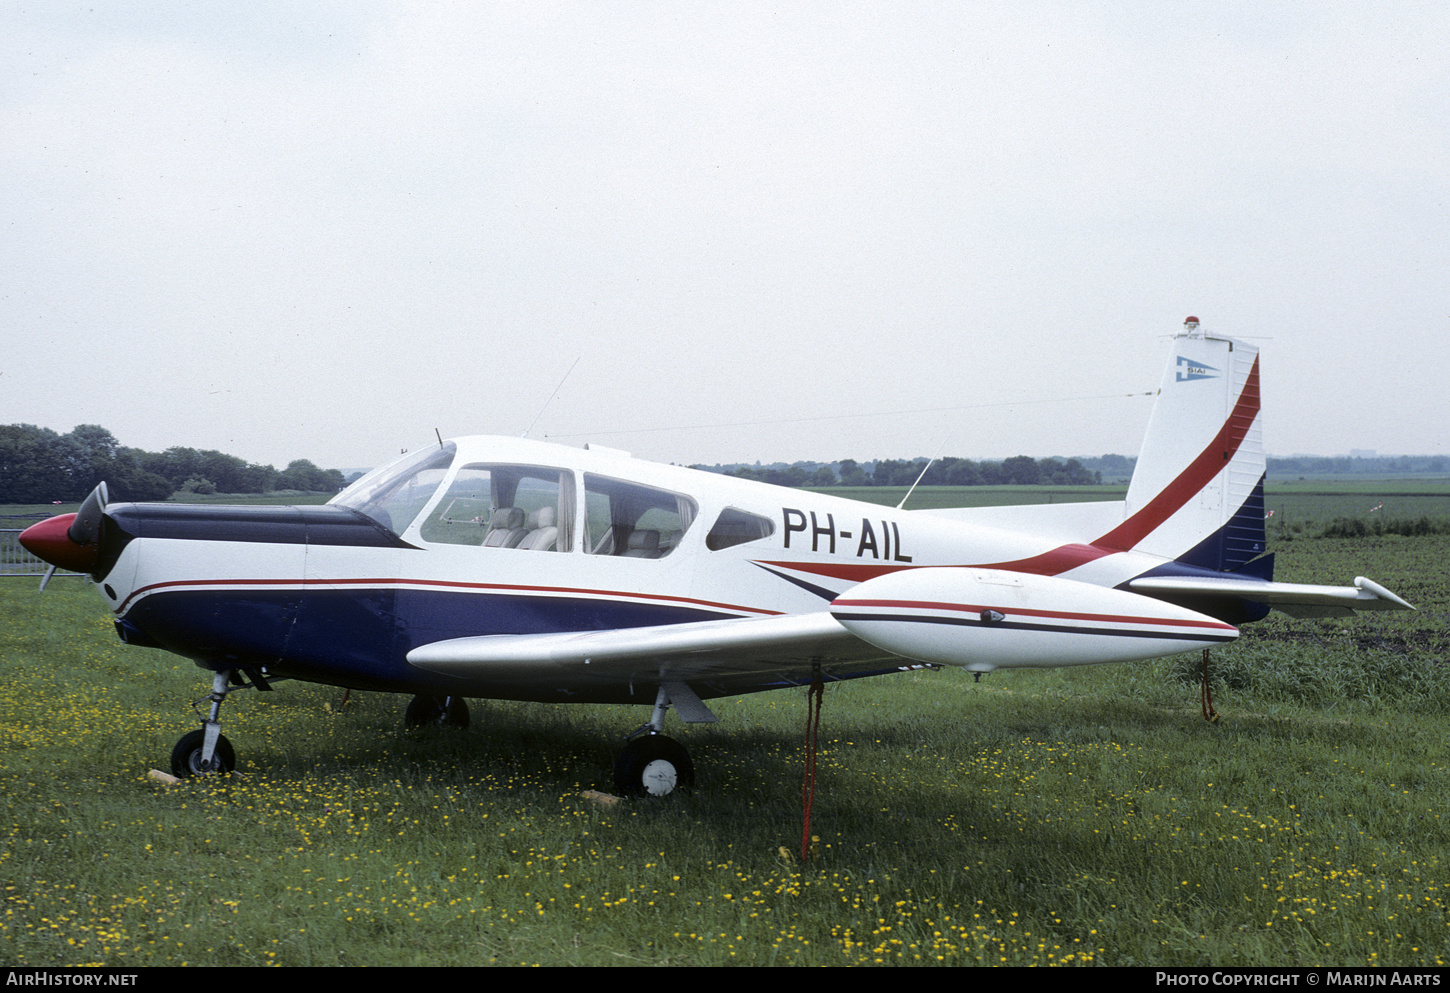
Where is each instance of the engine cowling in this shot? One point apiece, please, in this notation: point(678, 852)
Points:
point(984, 619)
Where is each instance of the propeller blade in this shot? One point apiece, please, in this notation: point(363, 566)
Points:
point(86, 529)
point(46, 578)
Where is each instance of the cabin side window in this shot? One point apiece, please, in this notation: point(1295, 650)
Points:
point(634, 521)
point(736, 527)
point(530, 508)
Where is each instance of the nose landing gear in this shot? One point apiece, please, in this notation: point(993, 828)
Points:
point(189, 757)
point(207, 751)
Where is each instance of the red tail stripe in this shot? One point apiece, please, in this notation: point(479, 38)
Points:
point(1199, 473)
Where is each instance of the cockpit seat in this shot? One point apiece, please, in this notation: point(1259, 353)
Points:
point(543, 535)
point(643, 545)
point(505, 528)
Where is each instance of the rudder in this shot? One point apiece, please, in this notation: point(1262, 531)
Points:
point(1197, 494)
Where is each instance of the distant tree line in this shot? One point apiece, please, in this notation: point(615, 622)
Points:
point(1020, 470)
point(1345, 465)
point(1023, 470)
point(38, 465)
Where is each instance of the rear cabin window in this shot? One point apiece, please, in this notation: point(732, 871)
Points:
point(530, 508)
point(634, 521)
point(736, 527)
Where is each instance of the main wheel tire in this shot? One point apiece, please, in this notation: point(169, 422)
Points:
point(435, 711)
point(186, 756)
point(653, 766)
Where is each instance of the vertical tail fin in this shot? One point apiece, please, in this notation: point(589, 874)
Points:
point(1197, 494)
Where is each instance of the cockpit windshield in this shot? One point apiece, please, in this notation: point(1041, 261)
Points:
point(394, 495)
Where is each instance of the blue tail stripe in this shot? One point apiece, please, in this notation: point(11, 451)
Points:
point(1240, 540)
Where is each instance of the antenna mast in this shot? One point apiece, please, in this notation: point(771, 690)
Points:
point(549, 401)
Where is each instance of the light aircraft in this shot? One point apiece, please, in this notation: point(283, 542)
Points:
point(505, 568)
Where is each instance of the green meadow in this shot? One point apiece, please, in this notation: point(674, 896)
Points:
point(1061, 817)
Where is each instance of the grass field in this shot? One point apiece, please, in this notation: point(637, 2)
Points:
point(1074, 817)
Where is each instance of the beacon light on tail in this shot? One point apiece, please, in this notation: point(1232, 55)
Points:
point(985, 619)
point(501, 568)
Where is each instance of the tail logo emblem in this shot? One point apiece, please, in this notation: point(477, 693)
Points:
point(1188, 369)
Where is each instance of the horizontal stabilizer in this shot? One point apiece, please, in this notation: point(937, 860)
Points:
point(1294, 599)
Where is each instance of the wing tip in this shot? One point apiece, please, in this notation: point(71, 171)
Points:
point(1370, 586)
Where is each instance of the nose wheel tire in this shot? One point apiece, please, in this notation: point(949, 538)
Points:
point(653, 766)
point(186, 756)
point(437, 711)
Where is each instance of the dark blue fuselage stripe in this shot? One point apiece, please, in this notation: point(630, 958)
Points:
point(362, 637)
point(819, 591)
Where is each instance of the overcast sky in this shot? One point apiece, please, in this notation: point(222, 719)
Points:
point(325, 228)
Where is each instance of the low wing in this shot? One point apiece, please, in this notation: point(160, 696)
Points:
point(1294, 599)
point(716, 658)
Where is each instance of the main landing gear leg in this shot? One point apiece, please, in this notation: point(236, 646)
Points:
point(207, 750)
point(437, 711)
point(652, 764)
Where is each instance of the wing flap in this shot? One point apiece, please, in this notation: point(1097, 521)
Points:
point(1294, 599)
